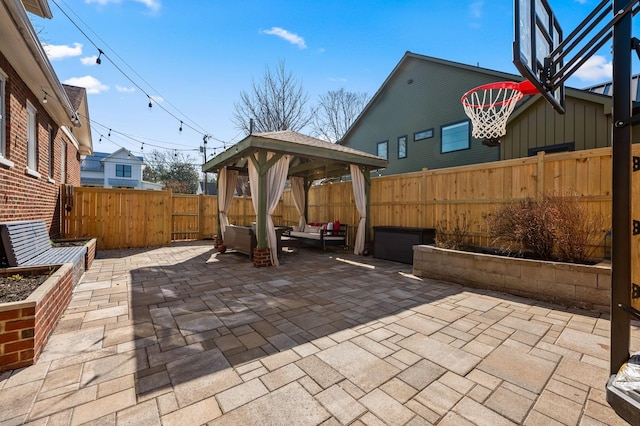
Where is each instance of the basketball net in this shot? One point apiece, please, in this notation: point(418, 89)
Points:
point(490, 105)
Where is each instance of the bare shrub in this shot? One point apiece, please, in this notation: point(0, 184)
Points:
point(554, 227)
point(577, 234)
point(526, 225)
point(454, 235)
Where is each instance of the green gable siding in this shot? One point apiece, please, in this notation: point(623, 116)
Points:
point(422, 93)
point(586, 124)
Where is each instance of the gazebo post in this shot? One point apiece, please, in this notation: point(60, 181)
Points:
point(307, 186)
point(367, 198)
point(261, 220)
point(218, 237)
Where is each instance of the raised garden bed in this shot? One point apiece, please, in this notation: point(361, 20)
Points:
point(25, 325)
point(585, 286)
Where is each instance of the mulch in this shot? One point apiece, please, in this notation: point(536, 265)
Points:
point(18, 287)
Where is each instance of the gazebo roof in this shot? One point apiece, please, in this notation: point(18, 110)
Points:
point(312, 158)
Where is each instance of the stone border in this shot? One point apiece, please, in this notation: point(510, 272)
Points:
point(585, 286)
point(25, 326)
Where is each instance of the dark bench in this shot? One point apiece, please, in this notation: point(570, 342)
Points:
point(27, 243)
point(317, 236)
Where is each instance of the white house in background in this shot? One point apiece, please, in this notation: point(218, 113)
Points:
point(118, 170)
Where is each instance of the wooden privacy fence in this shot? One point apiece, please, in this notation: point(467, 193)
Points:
point(130, 218)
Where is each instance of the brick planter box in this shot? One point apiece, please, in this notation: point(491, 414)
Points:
point(585, 286)
point(25, 326)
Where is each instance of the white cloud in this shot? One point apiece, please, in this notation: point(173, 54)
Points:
point(101, 2)
point(151, 4)
point(597, 68)
point(123, 89)
point(92, 84)
point(89, 60)
point(286, 35)
point(476, 9)
point(338, 79)
point(55, 52)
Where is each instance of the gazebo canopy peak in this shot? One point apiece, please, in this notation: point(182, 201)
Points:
point(311, 158)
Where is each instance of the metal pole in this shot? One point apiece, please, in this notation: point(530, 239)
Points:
point(621, 191)
point(204, 149)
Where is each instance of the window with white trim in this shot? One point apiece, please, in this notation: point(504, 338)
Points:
point(3, 120)
point(63, 163)
point(52, 147)
point(32, 138)
point(123, 170)
point(455, 137)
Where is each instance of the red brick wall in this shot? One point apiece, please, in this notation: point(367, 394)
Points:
point(25, 327)
point(25, 197)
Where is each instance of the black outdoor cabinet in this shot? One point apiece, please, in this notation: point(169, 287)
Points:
point(396, 242)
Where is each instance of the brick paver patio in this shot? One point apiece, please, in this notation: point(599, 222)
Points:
point(184, 336)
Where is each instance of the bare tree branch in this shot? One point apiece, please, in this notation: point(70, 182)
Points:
point(278, 102)
point(337, 110)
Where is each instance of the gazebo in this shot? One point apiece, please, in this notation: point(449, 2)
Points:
point(270, 158)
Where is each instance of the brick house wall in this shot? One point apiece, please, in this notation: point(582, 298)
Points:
point(23, 196)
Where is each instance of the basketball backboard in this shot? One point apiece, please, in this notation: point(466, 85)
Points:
point(537, 33)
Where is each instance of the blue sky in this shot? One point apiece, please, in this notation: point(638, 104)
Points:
point(195, 57)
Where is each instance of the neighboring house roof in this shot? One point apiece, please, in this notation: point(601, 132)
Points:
point(25, 53)
point(408, 56)
point(212, 188)
point(118, 153)
point(38, 7)
point(607, 88)
point(586, 94)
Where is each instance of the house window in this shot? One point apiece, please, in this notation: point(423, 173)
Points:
point(552, 149)
point(52, 147)
point(455, 137)
point(32, 139)
point(3, 120)
point(382, 149)
point(402, 147)
point(423, 134)
point(123, 170)
point(63, 163)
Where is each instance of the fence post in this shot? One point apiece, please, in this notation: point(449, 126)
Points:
point(200, 216)
point(423, 197)
point(540, 175)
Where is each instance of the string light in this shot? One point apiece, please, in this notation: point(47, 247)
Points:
point(44, 100)
point(107, 56)
point(109, 133)
point(180, 129)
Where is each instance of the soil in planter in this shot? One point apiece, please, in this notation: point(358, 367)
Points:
point(17, 288)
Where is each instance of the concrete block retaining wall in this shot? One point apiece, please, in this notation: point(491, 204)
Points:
point(586, 286)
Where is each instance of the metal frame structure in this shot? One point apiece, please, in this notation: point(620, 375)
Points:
point(550, 77)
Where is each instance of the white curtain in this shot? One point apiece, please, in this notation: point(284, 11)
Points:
point(297, 189)
point(226, 186)
point(276, 178)
point(357, 179)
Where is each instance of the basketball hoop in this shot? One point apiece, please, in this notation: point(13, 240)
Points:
point(490, 105)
